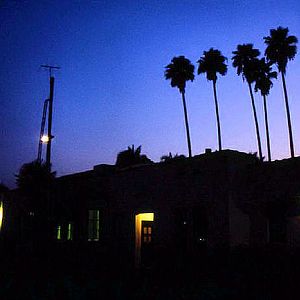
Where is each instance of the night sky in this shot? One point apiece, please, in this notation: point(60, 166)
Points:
point(110, 91)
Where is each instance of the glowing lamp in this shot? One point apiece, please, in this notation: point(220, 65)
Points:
point(45, 139)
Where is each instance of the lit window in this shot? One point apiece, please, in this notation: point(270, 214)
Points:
point(70, 232)
point(58, 232)
point(147, 231)
point(93, 225)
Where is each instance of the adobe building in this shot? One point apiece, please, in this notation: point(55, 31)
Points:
point(183, 207)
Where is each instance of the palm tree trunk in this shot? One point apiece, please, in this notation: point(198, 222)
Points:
point(267, 128)
point(288, 116)
point(217, 115)
point(256, 122)
point(186, 124)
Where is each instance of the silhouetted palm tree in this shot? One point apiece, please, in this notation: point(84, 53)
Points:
point(131, 157)
point(245, 60)
point(263, 82)
point(211, 63)
point(281, 48)
point(180, 70)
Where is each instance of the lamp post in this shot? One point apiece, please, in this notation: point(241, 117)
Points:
point(49, 134)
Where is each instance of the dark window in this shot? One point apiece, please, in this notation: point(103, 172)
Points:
point(93, 225)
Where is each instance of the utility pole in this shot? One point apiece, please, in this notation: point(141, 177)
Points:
point(39, 158)
point(50, 136)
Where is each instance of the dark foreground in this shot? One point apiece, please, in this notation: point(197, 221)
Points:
point(271, 273)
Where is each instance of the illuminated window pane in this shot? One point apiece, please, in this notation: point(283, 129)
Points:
point(70, 232)
point(93, 225)
point(58, 233)
point(149, 230)
point(145, 230)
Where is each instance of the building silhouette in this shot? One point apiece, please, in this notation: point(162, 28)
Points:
point(158, 212)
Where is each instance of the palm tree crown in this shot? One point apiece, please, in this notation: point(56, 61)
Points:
point(180, 70)
point(280, 47)
point(211, 63)
point(245, 60)
point(264, 76)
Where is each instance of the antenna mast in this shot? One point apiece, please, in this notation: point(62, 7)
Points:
point(50, 136)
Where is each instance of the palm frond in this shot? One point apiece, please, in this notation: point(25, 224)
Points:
point(245, 60)
point(180, 70)
point(211, 63)
point(280, 47)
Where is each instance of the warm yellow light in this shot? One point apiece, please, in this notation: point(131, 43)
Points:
point(58, 234)
point(138, 233)
point(1, 214)
point(70, 232)
point(45, 139)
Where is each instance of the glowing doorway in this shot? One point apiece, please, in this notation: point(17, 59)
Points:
point(139, 219)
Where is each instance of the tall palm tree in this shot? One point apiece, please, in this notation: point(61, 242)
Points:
point(281, 48)
point(180, 70)
point(263, 82)
point(246, 61)
point(211, 63)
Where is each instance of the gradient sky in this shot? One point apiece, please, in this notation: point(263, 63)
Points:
point(111, 91)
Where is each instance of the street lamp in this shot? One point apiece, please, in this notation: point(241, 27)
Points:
point(45, 139)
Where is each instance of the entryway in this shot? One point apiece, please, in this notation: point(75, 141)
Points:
point(143, 238)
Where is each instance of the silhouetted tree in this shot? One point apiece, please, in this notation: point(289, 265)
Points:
point(246, 61)
point(180, 70)
point(132, 157)
point(33, 178)
point(281, 48)
point(34, 182)
point(170, 157)
point(211, 63)
point(263, 82)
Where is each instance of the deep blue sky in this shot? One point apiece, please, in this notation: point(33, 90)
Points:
point(111, 92)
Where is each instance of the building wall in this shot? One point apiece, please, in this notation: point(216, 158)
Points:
point(195, 202)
